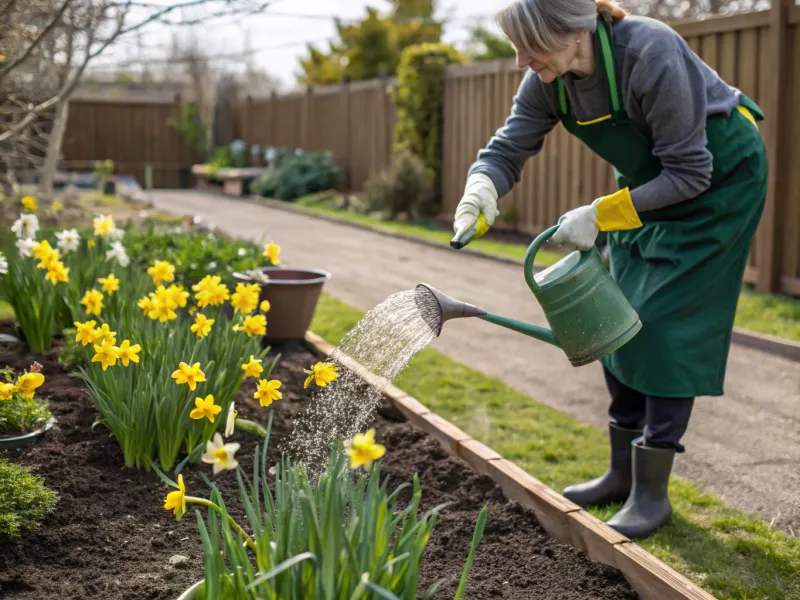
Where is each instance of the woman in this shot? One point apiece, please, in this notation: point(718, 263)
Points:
point(692, 172)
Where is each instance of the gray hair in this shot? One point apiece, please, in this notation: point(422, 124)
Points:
point(535, 25)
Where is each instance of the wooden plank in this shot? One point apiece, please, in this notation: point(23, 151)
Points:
point(411, 408)
point(447, 434)
point(721, 24)
point(790, 285)
point(709, 50)
point(788, 203)
point(477, 455)
point(593, 537)
point(728, 59)
point(652, 579)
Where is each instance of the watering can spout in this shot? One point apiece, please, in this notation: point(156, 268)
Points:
point(436, 307)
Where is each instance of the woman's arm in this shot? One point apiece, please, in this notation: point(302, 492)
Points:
point(533, 115)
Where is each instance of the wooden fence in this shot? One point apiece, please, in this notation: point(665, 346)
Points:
point(132, 134)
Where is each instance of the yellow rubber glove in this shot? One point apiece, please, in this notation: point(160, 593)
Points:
point(616, 212)
point(578, 228)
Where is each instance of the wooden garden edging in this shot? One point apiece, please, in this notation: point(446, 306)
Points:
point(562, 519)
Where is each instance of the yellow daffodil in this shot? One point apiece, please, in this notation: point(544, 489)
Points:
point(265, 306)
point(56, 206)
point(146, 304)
point(128, 353)
point(245, 298)
point(252, 368)
point(205, 408)
point(161, 271)
point(86, 333)
point(178, 295)
point(192, 310)
point(255, 325)
point(104, 225)
point(29, 202)
point(93, 300)
point(272, 253)
point(110, 284)
point(103, 334)
point(220, 454)
point(43, 251)
point(363, 450)
point(91, 243)
point(189, 375)
point(202, 325)
point(210, 291)
point(57, 273)
point(321, 373)
point(176, 501)
point(267, 392)
point(106, 354)
point(162, 305)
point(27, 384)
point(6, 391)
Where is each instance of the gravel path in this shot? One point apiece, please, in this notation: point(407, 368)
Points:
point(744, 446)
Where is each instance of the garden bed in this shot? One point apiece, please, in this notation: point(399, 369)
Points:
point(109, 536)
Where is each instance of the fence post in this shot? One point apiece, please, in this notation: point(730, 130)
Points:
point(273, 117)
point(387, 111)
point(347, 178)
point(305, 121)
point(777, 110)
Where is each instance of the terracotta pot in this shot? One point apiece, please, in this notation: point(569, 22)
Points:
point(293, 295)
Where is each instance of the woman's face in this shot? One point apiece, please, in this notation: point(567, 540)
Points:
point(548, 65)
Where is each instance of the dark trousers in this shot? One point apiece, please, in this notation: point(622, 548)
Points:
point(664, 420)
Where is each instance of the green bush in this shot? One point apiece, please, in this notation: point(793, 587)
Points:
point(407, 186)
point(24, 500)
point(419, 98)
point(297, 175)
point(22, 415)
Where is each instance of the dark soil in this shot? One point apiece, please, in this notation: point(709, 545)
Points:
point(110, 538)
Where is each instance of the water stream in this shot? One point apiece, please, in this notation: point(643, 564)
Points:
point(383, 342)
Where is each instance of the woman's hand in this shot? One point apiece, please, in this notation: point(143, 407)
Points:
point(480, 199)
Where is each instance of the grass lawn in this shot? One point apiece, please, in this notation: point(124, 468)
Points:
point(773, 315)
point(731, 554)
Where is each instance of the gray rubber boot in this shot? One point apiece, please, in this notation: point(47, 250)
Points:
point(648, 507)
point(615, 484)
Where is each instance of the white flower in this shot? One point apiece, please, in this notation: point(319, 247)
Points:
point(116, 235)
point(68, 240)
point(212, 265)
point(4, 265)
point(119, 254)
point(231, 422)
point(26, 246)
point(241, 252)
point(220, 455)
point(26, 226)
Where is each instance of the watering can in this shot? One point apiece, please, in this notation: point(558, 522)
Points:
point(589, 317)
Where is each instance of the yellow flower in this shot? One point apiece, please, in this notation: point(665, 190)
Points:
point(192, 310)
point(57, 273)
point(103, 334)
point(265, 306)
point(322, 373)
point(43, 251)
point(252, 368)
point(210, 290)
point(86, 333)
point(245, 299)
point(56, 206)
point(255, 325)
point(103, 225)
point(106, 355)
point(267, 392)
point(161, 271)
point(27, 384)
point(128, 353)
point(162, 305)
point(176, 501)
point(205, 408)
point(91, 243)
point(146, 304)
point(110, 284)
point(363, 450)
point(272, 253)
point(220, 455)
point(202, 325)
point(178, 295)
point(93, 300)
point(29, 202)
point(6, 390)
point(189, 375)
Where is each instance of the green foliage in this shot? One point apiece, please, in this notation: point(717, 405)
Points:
point(407, 186)
point(188, 124)
point(297, 175)
point(20, 415)
point(492, 46)
point(24, 500)
point(419, 97)
point(221, 158)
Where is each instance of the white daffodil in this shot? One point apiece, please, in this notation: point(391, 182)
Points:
point(231, 421)
point(116, 235)
point(26, 226)
point(220, 454)
point(241, 252)
point(26, 246)
point(3, 264)
point(118, 254)
point(68, 240)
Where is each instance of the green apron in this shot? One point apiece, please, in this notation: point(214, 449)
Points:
point(682, 270)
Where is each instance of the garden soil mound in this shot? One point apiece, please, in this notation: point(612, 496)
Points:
point(110, 538)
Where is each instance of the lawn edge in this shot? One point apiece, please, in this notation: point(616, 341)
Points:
point(563, 520)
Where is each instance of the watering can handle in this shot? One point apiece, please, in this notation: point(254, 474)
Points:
point(530, 255)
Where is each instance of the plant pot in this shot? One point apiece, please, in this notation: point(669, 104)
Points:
point(293, 295)
point(26, 439)
point(191, 593)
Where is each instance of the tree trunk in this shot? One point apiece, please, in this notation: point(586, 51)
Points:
point(54, 148)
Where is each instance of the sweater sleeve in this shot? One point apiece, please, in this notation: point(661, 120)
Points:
point(669, 86)
point(532, 116)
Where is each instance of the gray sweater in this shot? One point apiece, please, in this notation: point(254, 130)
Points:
point(666, 90)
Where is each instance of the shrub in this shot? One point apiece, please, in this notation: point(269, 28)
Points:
point(24, 500)
point(419, 97)
point(297, 175)
point(407, 186)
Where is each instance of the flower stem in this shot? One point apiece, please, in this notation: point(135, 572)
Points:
point(207, 503)
point(250, 427)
